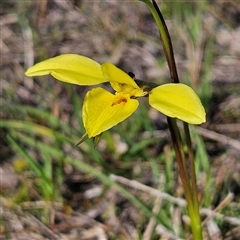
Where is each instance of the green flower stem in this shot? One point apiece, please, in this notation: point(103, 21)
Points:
point(189, 185)
point(197, 219)
point(188, 178)
point(165, 38)
point(178, 148)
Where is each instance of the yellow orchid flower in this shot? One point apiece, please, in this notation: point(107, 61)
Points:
point(101, 109)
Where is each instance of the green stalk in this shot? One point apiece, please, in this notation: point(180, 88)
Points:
point(188, 178)
point(192, 206)
point(178, 148)
point(165, 38)
point(196, 217)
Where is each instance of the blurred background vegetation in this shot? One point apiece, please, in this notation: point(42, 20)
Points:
point(50, 190)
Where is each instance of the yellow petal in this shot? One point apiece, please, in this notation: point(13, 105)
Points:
point(70, 68)
point(114, 74)
point(178, 101)
point(103, 110)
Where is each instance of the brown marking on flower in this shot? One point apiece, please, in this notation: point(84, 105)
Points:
point(120, 100)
